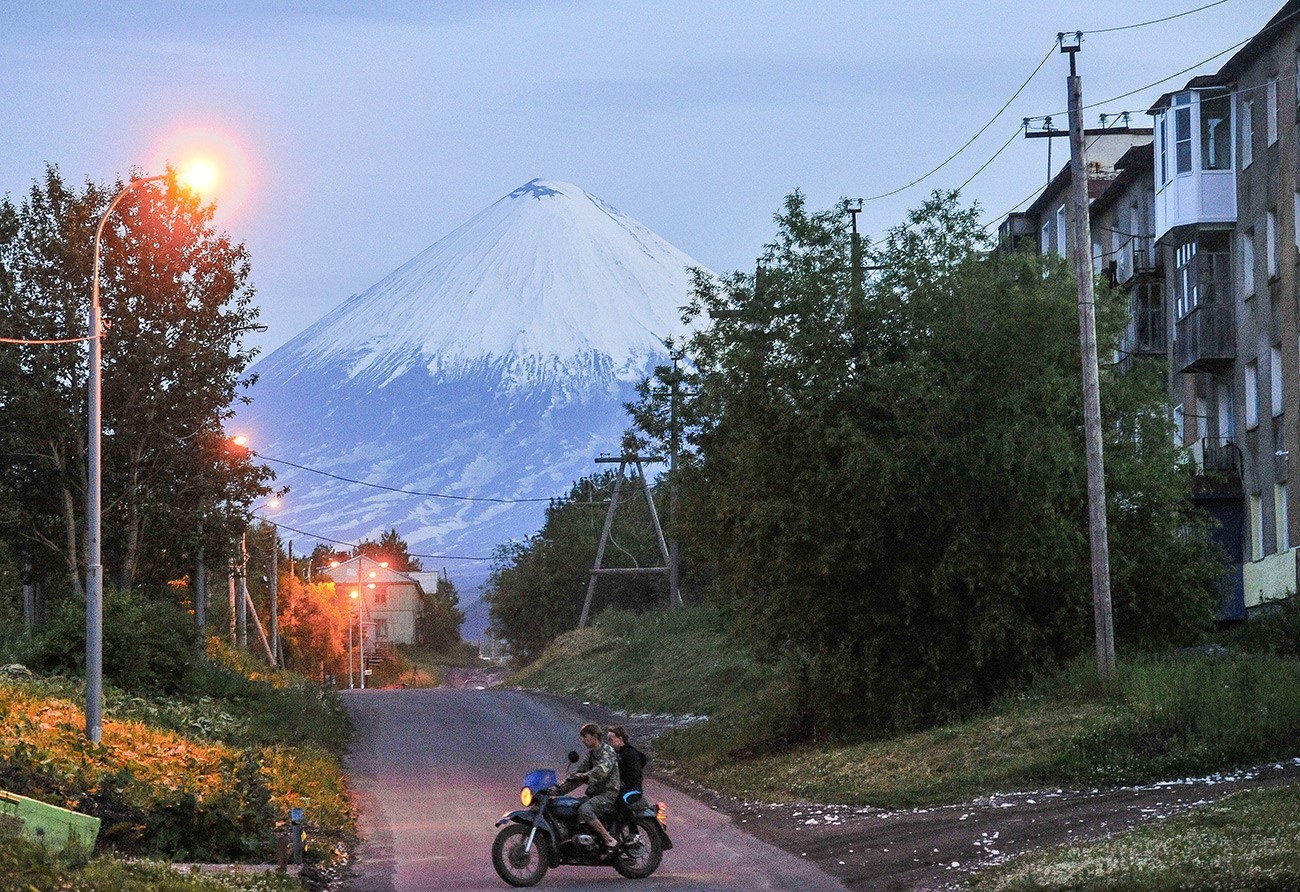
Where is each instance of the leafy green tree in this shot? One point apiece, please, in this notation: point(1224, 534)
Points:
point(440, 619)
point(176, 302)
point(537, 586)
point(887, 483)
point(391, 548)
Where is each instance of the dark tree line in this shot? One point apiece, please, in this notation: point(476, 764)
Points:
point(176, 303)
point(884, 476)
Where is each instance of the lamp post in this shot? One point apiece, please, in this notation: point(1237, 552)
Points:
point(94, 489)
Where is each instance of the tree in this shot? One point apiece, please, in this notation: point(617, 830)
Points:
point(887, 483)
point(438, 626)
point(537, 586)
point(390, 548)
point(176, 301)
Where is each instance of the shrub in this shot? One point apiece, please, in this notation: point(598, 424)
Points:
point(149, 645)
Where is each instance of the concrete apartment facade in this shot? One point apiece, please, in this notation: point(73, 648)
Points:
point(1200, 224)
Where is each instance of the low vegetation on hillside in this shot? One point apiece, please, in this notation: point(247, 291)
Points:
point(208, 776)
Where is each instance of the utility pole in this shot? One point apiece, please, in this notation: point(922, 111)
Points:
point(241, 596)
point(674, 444)
point(1091, 385)
point(274, 584)
point(234, 634)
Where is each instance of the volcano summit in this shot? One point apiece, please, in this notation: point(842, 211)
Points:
point(490, 368)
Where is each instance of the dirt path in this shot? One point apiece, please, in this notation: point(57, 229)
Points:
point(935, 849)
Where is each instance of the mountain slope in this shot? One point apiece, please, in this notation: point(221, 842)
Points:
point(493, 365)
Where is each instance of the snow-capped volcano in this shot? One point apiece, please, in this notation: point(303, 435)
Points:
point(492, 366)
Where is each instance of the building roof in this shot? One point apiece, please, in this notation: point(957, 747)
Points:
point(363, 567)
point(1286, 17)
point(1133, 165)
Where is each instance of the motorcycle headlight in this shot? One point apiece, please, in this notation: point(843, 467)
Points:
point(526, 797)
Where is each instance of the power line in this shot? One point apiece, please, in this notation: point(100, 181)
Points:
point(1168, 18)
point(356, 546)
point(408, 492)
point(34, 341)
point(977, 135)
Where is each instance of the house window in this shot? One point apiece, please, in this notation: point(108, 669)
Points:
point(1247, 132)
point(1248, 262)
point(1162, 140)
point(1045, 238)
point(1280, 517)
point(1183, 132)
point(1098, 254)
point(1270, 250)
point(381, 597)
point(1060, 230)
point(1216, 135)
point(1185, 283)
point(1275, 378)
point(1227, 417)
point(1296, 214)
point(1256, 528)
point(1272, 111)
point(1252, 395)
point(1180, 425)
point(381, 629)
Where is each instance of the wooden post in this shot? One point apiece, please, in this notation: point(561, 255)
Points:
point(1091, 385)
point(600, 549)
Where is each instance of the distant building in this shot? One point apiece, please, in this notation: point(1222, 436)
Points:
point(390, 601)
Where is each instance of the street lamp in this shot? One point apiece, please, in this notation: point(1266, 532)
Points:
point(94, 489)
point(94, 484)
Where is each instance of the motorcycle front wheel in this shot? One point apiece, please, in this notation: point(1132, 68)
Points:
point(639, 857)
point(513, 864)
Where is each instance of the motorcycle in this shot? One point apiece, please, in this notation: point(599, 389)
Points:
point(546, 833)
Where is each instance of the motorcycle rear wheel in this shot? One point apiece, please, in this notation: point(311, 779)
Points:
point(640, 858)
point(513, 864)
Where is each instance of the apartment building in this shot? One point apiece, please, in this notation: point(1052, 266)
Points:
point(1201, 227)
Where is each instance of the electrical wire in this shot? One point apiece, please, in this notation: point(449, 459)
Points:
point(407, 492)
point(33, 341)
point(355, 546)
point(1168, 18)
point(977, 135)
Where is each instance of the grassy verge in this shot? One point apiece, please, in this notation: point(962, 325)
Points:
point(1249, 842)
point(28, 867)
point(680, 662)
point(413, 666)
point(1162, 717)
point(207, 778)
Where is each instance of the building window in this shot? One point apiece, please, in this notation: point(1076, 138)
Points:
point(1183, 132)
point(1275, 378)
point(1272, 111)
point(1227, 417)
point(1296, 215)
point(1216, 135)
point(381, 629)
point(1185, 283)
point(1202, 418)
point(1281, 517)
point(1270, 250)
point(1256, 528)
point(1248, 262)
point(1252, 395)
point(381, 597)
point(1162, 140)
point(1180, 425)
point(1045, 238)
point(1247, 132)
point(1060, 230)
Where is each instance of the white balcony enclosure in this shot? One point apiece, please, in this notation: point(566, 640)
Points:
point(1195, 159)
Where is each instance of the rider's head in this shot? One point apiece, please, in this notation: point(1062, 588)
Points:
point(590, 734)
point(618, 736)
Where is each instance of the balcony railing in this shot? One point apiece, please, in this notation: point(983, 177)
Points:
point(1220, 467)
point(1204, 339)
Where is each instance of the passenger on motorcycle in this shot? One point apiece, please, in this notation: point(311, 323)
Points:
point(631, 761)
point(599, 771)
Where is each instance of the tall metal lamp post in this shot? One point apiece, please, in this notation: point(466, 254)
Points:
point(94, 489)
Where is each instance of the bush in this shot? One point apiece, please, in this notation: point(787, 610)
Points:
point(149, 645)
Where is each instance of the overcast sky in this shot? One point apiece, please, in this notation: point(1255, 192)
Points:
point(357, 134)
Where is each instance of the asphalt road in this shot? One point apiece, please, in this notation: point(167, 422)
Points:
point(433, 770)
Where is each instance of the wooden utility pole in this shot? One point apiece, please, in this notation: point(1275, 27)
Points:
point(241, 596)
point(274, 584)
point(597, 570)
point(1091, 386)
